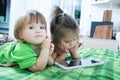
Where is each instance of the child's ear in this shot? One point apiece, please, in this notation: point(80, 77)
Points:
point(20, 34)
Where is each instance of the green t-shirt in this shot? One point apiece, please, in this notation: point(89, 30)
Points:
point(18, 52)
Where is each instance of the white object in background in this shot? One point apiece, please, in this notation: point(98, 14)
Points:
point(100, 43)
point(104, 2)
point(118, 38)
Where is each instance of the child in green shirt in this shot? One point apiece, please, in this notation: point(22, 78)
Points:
point(33, 48)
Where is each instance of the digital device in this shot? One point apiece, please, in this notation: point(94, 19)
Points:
point(71, 64)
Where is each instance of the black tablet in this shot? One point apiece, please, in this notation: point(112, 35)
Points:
point(71, 64)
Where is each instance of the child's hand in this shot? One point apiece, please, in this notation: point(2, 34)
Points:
point(73, 51)
point(74, 48)
point(50, 60)
point(51, 48)
point(46, 42)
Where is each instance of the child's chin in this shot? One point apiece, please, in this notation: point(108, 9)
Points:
point(36, 43)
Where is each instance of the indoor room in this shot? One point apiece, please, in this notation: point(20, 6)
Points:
point(93, 55)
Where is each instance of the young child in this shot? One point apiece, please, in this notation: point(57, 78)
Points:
point(33, 48)
point(64, 34)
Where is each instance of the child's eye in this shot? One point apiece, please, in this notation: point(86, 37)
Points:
point(42, 27)
point(31, 27)
point(74, 40)
point(66, 42)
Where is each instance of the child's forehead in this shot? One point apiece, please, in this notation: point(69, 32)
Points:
point(70, 36)
point(34, 20)
point(37, 24)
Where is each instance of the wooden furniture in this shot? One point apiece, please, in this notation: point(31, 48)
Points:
point(94, 24)
point(103, 32)
point(107, 15)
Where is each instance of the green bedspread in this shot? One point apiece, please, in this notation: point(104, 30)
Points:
point(110, 70)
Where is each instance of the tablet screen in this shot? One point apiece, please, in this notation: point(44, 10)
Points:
point(70, 63)
point(78, 63)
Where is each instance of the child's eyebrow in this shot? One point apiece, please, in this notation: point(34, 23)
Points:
point(69, 40)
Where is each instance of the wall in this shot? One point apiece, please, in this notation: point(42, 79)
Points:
point(88, 13)
point(15, 11)
point(95, 13)
point(18, 7)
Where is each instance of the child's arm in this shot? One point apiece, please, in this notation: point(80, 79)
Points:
point(42, 60)
point(61, 57)
point(73, 51)
point(50, 60)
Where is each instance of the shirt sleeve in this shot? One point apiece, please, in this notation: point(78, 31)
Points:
point(26, 63)
point(22, 54)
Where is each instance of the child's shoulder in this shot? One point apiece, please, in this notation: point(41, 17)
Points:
point(23, 45)
point(16, 44)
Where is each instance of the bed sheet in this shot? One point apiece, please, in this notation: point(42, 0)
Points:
point(110, 70)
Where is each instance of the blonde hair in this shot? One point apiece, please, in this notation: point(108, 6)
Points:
point(30, 17)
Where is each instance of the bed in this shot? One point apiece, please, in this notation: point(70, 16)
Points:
point(110, 70)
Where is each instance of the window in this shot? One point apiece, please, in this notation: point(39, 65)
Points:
point(77, 12)
point(72, 7)
point(4, 15)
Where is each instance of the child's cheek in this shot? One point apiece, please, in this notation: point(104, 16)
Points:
point(61, 46)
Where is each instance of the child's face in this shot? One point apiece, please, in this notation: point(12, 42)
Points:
point(68, 41)
point(33, 33)
point(67, 44)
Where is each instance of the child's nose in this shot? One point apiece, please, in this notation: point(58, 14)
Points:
point(38, 30)
point(71, 44)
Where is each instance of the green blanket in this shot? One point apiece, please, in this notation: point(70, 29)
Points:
point(108, 71)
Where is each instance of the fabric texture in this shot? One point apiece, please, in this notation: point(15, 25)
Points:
point(108, 71)
point(20, 53)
